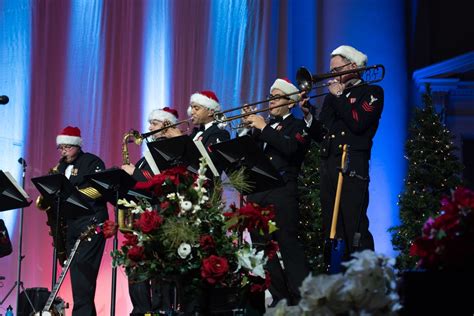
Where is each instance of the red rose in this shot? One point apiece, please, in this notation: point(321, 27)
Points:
point(148, 221)
point(131, 240)
point(109, 228)
point(136, 253)
point(214, 269)
point(207, 243)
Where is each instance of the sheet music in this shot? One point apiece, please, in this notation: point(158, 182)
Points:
point(151, 162)
point(206, 156)
point(16, 185)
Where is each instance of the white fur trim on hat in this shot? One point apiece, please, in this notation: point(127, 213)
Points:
point(204, 101)
point(287, 88)
point(160, 115)
point(68, 140)
point(352, 54)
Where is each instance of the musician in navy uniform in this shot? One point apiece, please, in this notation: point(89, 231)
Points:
point(202, 106)
point(285, 143)
point(151, 295)
point(157, 119)
point(75, 164)
point(350, 115)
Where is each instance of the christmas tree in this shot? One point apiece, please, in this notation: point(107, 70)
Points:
point(310, 209)
point(433, 169)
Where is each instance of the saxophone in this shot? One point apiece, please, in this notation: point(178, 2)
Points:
point(125, 217)
point(59, 238)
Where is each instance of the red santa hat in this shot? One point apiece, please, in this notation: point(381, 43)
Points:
point(286, 87)
point(352, 54)
point(69, 136)
point(206, 98)
point(164, 114)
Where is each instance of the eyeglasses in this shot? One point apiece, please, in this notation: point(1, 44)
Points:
point(65, 147)
point(276, 97)
point(337, 69)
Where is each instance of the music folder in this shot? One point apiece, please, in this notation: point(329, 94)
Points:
point(12, 195)
point(243, 152)
point(181, 151)
point(56, 187)
point(111, 181)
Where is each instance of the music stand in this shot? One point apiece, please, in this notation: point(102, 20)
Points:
point(244, 152)
point(69, 203)
point(12, 196)
point(177, 151)
point(113, 184)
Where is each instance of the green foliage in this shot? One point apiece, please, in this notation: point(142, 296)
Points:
point(240, 181)
point(433, 169)
point(310, 209)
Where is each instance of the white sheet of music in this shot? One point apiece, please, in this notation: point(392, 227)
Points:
point(151, 162)
point(206, 156)
point(17, 186)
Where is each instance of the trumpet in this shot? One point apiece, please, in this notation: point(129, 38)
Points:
point(306, 83)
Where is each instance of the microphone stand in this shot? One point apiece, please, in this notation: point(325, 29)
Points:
point(19, 283)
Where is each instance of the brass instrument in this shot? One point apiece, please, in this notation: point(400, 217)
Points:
point(137, 139)
point(125, 218)
point(306, 80)
point(59, 238)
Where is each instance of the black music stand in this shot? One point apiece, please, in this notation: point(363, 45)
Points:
point(243, 152)
point(12, 196)
point(177, 151)
point(69, 203)
point(113, 184)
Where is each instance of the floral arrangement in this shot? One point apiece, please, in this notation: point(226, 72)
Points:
point(367, 287)
point(447, 241)
point(187, 233)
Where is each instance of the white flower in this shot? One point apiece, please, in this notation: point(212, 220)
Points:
point(252, 260)
point(367, 287)
point(322, 293)
point(171, 196)
point(184, 250)
point(186, 205)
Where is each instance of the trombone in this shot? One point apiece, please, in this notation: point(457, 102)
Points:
point(306, 83)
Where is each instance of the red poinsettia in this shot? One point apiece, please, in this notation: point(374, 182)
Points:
point(447, 241)
point(214, 269)
point(252, 217)
point(259, 284)
point(155, 184)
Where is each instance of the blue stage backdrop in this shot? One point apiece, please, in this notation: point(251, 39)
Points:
point(104, 65)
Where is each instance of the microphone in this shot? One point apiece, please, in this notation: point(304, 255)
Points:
point(4, 99)
point(22, 162)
